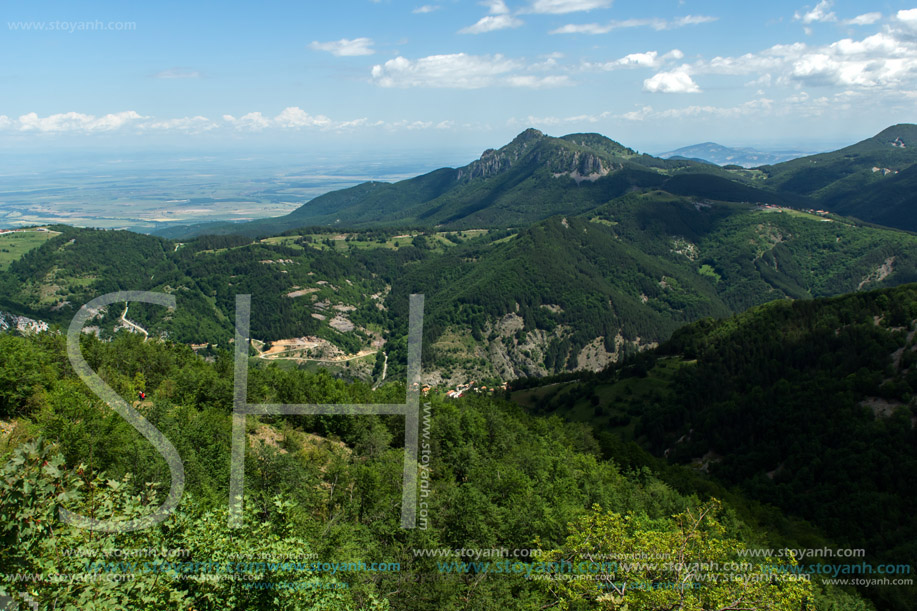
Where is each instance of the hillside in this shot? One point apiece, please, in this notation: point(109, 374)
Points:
point(532, 178)
point(537, 176)
point(321, 522)
point(797, 404)
point(870, 180)
point(711, 152)
point(567, 293)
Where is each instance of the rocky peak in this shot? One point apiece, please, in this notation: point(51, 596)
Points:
point(528, 136)
point(574, 156)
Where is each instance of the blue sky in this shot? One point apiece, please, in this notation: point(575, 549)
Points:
point(450, 75)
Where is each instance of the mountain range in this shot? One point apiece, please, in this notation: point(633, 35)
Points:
point(713, 331)
point(537, 176)
point(746, 157)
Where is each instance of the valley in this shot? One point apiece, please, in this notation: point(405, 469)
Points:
point(674, 330)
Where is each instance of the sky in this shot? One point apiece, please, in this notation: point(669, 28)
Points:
point(447, 77)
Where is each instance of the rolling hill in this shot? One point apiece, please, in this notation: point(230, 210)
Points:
point(566, 293)
point(872, 180)
point(711, 152)
point(796, 404)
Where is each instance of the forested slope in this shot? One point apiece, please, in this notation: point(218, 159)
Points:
point(808, 405)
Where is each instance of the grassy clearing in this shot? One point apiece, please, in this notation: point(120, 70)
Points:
point(14, 245)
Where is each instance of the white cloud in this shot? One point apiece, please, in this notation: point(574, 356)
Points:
point(887, 60)
point(178, 73)
point(675, 81)
point(655, 23)
point(290, 118)
point(459, 71)
point(551, 121)
point(822, 12)
point(294, 116)
point(536, 82)
point(491, 23)
point(194, 125)
point(864, 19)
point(496, 7)
point(765, 80)
point(584, 28)
point(759, 106)
point(908, 17)
point(77, 122)
point(253, 121)
point(426, 8)
point(638, 115)
point(410, 125)
point(345, 47)
point(498, 19)
point(560, 7)
point(648, 59)
point(353, 123)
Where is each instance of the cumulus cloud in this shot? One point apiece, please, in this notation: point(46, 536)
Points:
point(492, 23)
point(294, 116)
point(345, 47)
point(908, 18)
point(178, 73)
point(426, 8)
point(675, 81)
point(654, 23)
point(538, 82)
point(560, 7)
point(290, 118)
point(498, 19)
point(77, 122)
point(496, 7)
point(864, 19)
point(459, 71)
point(194, 125)
point(648, 59)
point(886, 60)
point(822, 12)
point(253, 121)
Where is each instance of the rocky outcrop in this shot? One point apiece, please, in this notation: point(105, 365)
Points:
point(493, 162)
point(558, 156)
point(21, 324)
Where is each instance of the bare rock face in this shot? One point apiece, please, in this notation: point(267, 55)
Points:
point(21, 324)
point(536, 151)
point(494, 162)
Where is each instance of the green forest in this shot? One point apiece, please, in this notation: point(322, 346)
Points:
point(676, 382)
point(797, 404)
point(321, 524)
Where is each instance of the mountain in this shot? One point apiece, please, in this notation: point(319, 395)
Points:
point(532, 178)
point(566, 293)
point(798, 404)
point(322, 530)
point(872, 180)
point(711, 152)
point(537, 176)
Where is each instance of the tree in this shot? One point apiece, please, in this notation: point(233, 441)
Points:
point(683, 562)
